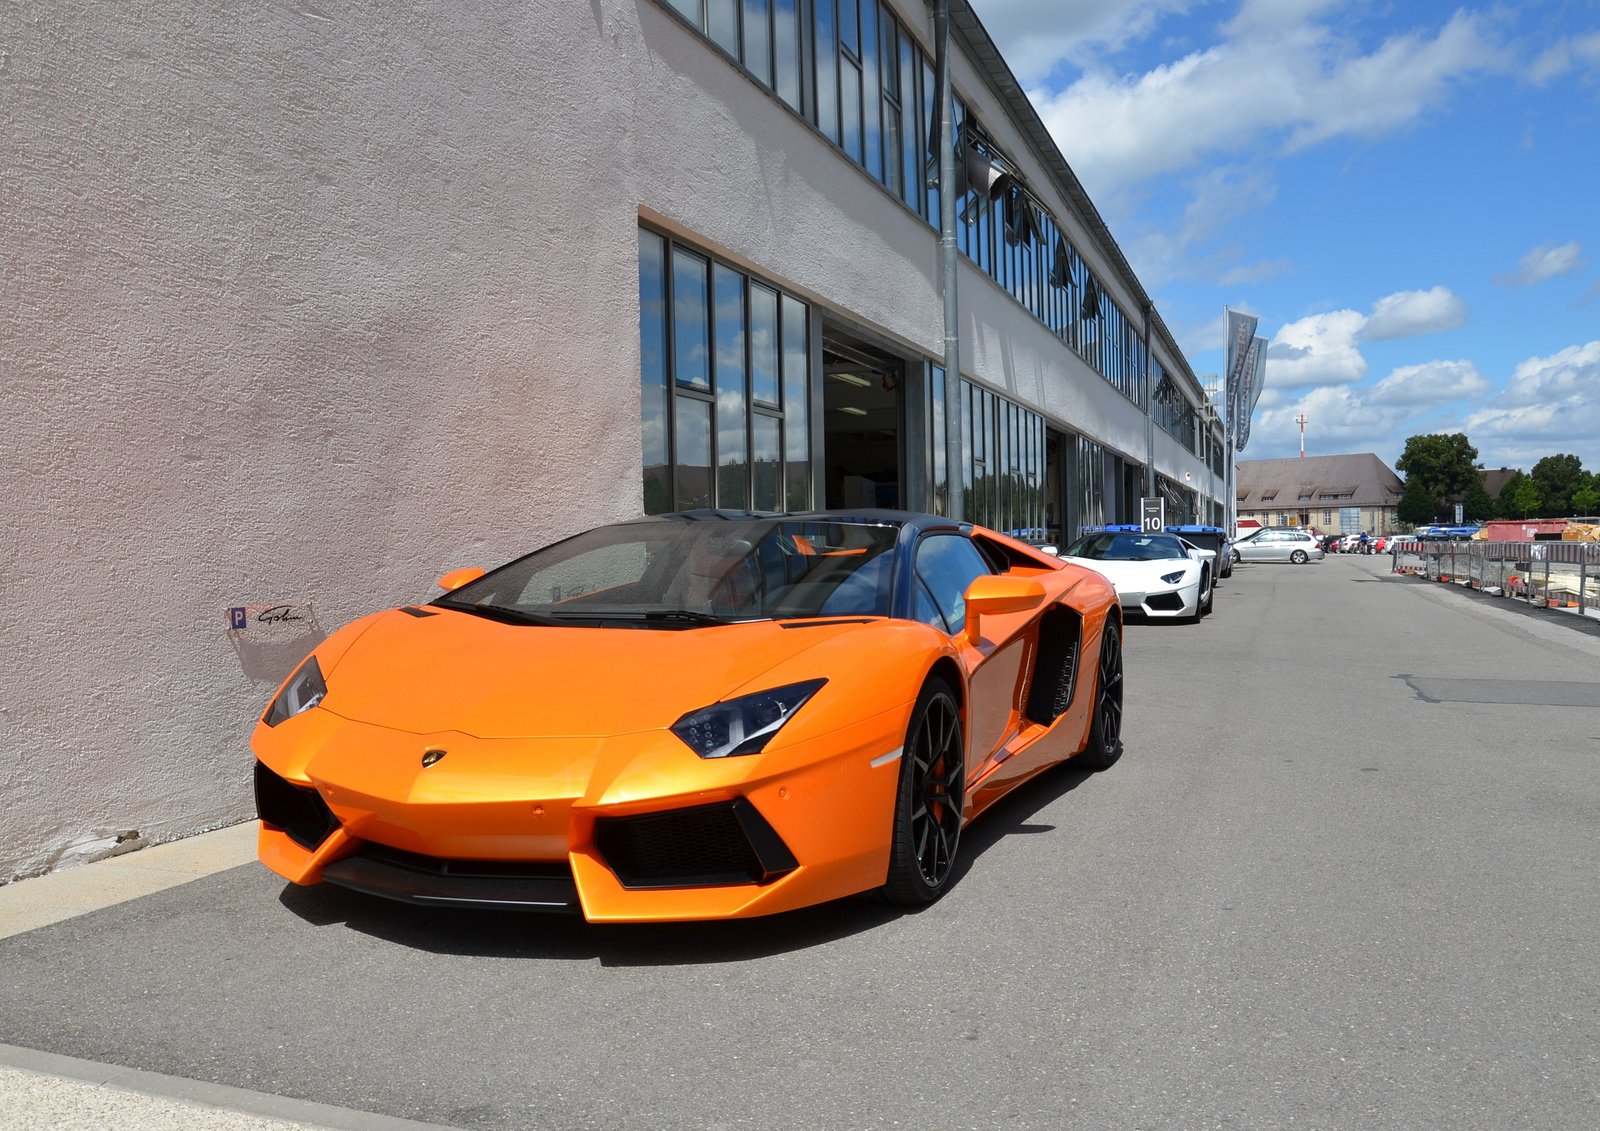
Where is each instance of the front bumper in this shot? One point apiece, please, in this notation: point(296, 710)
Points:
point(1162, 604)
point(626, 828)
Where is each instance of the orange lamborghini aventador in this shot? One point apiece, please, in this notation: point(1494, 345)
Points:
point(694, 716)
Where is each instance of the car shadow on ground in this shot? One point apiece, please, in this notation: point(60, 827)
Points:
point(507, 934)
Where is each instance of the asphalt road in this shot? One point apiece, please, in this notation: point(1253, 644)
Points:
point(1344, 877)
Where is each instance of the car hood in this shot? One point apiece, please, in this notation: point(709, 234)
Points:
point(447, 670)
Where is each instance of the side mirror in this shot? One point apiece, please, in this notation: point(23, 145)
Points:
point(456, 578)
point(1053, 551)
point(992, 594)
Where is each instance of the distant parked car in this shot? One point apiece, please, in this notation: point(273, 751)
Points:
point(1295, 546)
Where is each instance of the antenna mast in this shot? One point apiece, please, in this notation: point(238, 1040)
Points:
point(1301, 420)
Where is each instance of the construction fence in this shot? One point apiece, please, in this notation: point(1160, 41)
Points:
point(1557, 575)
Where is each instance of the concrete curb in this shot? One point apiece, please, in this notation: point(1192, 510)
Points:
point(51, 898)
point(73, 1092)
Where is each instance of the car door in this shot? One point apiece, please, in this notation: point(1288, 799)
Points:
point(946, 564)
point(1270, 546)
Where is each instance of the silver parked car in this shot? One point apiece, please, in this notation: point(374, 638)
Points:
point(1297, 546)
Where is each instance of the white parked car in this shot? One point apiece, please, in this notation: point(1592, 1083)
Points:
point(1280, 545)
point(1153, 573)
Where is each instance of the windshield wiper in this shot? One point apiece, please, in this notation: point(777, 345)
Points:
point(688, 616)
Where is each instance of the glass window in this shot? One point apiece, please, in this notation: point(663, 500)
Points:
point(796, 402)
point(691, 331)
point(786, 50)
point(758, 40)
point(763, 344)
point(724, 25)
point(827, 54)
point(947, 564)
point(693, 436)
point(726, 342)
point(913, 130)
point(693, 10)
point(930, 95)
point(766, 454)
point(733, 456)
point(926, 610)
point(871, 90)
point(850, 26)
point(653, 372)
point(850, 107)
point(941, 449)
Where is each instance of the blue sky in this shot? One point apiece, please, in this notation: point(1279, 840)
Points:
point(1406, 194)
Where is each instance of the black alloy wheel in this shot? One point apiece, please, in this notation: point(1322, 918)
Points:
point(1299, 557)
point(929, 801)
point(1105, 730)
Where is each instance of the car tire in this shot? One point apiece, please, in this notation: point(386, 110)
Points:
point(928, 800)
point(1105, 727)
point(1234, 559)
point(1208, 594)
point(1299, 557)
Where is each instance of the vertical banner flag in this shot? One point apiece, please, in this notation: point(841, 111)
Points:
point(1258, 378)
point(1241, 329)
point(1247, 379)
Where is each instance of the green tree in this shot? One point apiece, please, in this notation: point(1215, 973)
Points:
point(1586, 499)
point(1557, 477)
point(1416, 506)
point(1476, 505)
point(1519, 498)
point(1444, 466)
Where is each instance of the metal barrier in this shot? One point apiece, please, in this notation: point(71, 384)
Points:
point(1557, 575)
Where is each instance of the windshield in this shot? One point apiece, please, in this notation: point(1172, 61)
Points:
point(682, 574)
point(1107, 547)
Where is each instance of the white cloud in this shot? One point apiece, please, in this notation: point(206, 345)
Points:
point(1568, 375)
point(1547, 261)
point(1564, 57)
point(1283, 74)
point(1431, 383)
point(1548, 406)
point(1405, 314)
point(1337, 421)
point(1070, 33)
point(1324, 349)
point(1255, 272)
point(1319, 350)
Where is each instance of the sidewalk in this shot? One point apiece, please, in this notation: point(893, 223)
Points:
point(47, 1092)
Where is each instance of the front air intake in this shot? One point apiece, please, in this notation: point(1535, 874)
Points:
point(296, 809)
point(706, 845)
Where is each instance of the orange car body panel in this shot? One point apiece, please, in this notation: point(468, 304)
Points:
point(542, 740)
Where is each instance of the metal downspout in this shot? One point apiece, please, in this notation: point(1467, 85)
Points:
point(955, 474)
point(1149, 413)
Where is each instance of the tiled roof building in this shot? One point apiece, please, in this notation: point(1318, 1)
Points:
point(1334, 494)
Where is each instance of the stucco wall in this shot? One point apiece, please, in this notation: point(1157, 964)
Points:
point(299, 305)
point(308, 303)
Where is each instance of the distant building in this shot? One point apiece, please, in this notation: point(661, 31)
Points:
point(1335, 494)
point(1494, 479)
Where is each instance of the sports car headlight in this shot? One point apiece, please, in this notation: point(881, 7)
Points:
point(304, 691)
point(1172, 578)
point(743, 725)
